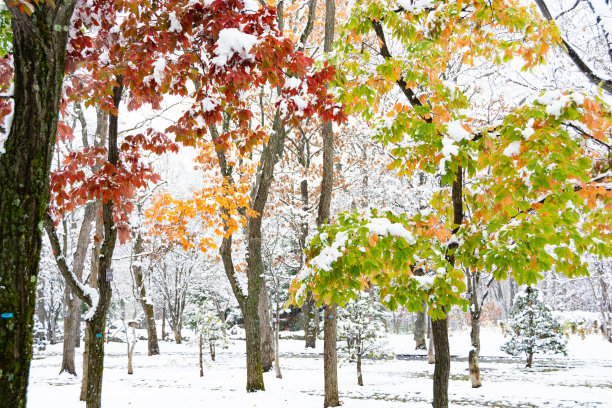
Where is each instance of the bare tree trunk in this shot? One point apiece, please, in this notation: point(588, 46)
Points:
point(70, 331)
point(72, 318)
point(265, 325)
point(442, 367)
point(211, 347)
point(177, 334)
point(431, 352)
point(147, 307)
point(276, 341)
point(201, 359)
point(163, 329)
point(529, 359)
point(419, 329)
point(311, 321)
point(131, 346)
point(359, 375)
point(330, 357)
point(473, 279)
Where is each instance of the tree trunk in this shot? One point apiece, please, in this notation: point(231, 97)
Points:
point(265, 325)
point(253, 345)
point(131, 347)
point(529, 359)
point(177, 334)
point(310, 317)
point(276, 338)
point(474, 352)
point(473, 279)
point(71, 317)
point(147, 307)
point(93, 283)
point(419, 329)
point(211, 346)
point(330, 357)
point(359, 375)
point(201, 359)
point(163, 329)
point(39, 52)
point(97, 325)
point(442, 367)
point(431, 352)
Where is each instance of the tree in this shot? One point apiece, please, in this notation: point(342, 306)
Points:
point(39, 56)
point(532, 328)
point(202, 318)
point(361, 326)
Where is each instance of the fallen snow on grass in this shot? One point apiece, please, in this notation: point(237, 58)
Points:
point(583, 379)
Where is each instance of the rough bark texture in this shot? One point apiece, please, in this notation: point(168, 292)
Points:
point(330, 357)
point(431, 349)
point(330, 353)
point(442, 367)
point(265, 327)
point(141, 292)
point(201, 359)
point(473, 279)
point(359, 375)
point(310, 318)
point(39, 57)
point(72, 316)
point(97, 324)
point(440, 326)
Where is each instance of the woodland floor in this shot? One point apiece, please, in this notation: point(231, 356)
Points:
point(582, 379)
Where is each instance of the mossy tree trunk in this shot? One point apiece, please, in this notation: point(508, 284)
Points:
point(39, 50)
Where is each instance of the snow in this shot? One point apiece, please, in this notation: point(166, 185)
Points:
point(513, 149)
point(95, 298)
point(456, 131)
point(175, 24)
point(383, 227)
point(230, 42)
point(415, 6)
point(582, 379)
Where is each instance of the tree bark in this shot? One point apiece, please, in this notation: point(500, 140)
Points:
point(359, 375)
point(311, 321)
point(473, 279)
point(211, 347)
point(442, 367)
point(529, 359)
point(431, 352)
point(201, 359)
point(276, 340)
point(97, 325)
point(419, 330)
point(265, 326)
point(147, 307)
point(72, 318)
point(330, 357)
point(39, 52)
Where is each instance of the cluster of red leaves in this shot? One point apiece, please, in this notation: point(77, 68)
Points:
point(87, 175)
point(168, 47)
point(6, 74)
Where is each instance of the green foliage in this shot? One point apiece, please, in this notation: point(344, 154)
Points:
point(6, 32)
point(362, 329)
point(532, 328)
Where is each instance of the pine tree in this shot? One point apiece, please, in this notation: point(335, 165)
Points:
point(361, 325)
point(532, 328)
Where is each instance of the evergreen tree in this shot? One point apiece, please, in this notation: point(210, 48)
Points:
point(361, 326)
point(533, 329)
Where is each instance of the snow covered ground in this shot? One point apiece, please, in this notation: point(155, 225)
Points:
point(582, 379)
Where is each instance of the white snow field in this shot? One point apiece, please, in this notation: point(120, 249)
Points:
point(171, 380)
